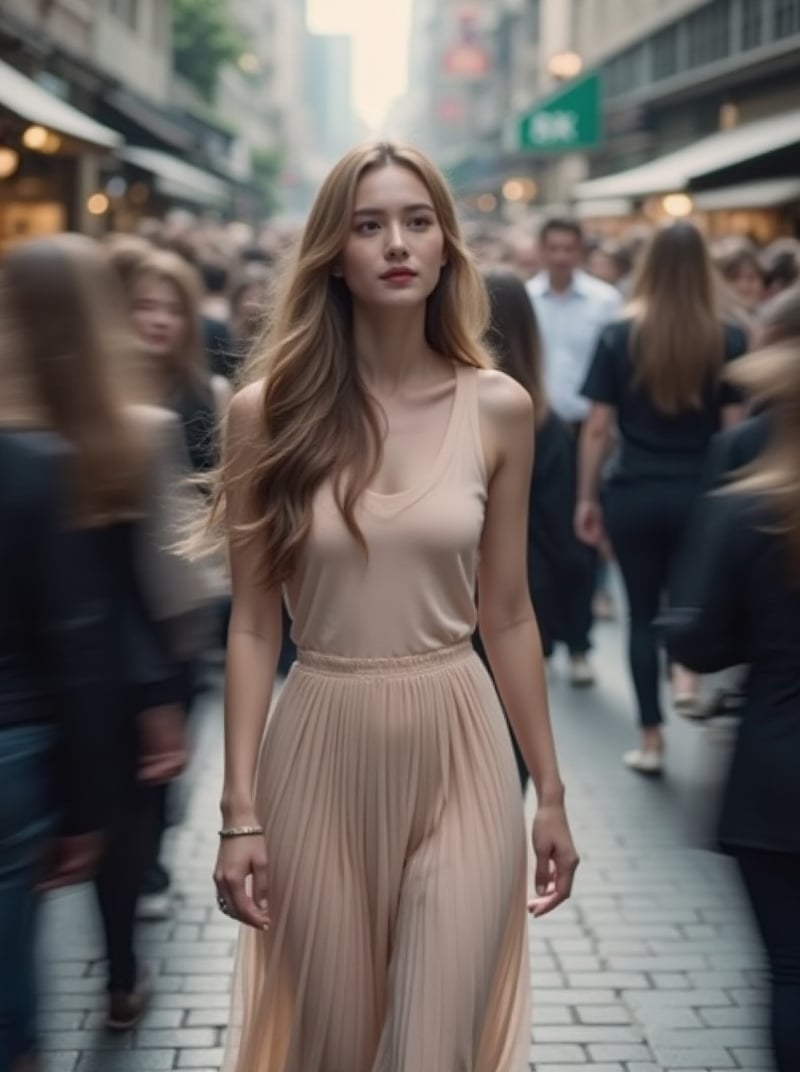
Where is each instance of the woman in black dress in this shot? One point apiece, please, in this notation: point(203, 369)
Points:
point(553, 550)
point(656, 375)
point(741, 605)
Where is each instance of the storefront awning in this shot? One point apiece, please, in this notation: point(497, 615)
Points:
point(28, 100)
point(176, 179)
point(675, 171)
point(605, 209)
point(771, 193)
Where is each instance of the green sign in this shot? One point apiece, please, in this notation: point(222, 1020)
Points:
point(568, 120)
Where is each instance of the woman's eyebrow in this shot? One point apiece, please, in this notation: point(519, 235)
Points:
point(382, 212)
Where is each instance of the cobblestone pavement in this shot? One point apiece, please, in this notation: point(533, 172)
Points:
point(652, 966)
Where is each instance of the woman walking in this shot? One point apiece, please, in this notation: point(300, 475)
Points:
point(656, 375)
point(377, 848)
point(72, 377)
point(742, 606)
point(553, 548)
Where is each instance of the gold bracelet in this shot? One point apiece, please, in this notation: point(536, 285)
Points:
point(240, 831)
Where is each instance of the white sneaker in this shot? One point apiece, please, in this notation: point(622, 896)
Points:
point(581, 674)
point(153, 908)
point(644, 761)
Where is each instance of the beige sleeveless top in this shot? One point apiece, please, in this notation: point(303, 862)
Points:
point(415, 591)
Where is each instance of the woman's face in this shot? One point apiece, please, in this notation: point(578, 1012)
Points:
point(395, 250)
point(159, 316)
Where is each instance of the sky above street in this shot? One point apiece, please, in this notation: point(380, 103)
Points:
point(380, 32)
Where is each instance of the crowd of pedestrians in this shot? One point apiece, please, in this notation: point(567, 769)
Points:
point(664, 376)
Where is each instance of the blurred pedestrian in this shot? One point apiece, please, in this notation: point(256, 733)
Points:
point(164, 297)
point(77, 366)
point(553, 550)
point(743, 607)
point(572, 309)
point(656, 377)
point(55, 723)
point(382, 827)
point(780, 262)
point(739, 265)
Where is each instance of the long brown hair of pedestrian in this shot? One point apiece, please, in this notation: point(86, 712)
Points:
point(771, 376)
point(513, 336)
point(187, 366)
point(317, 419)
point(677, 340)
point(70, 363)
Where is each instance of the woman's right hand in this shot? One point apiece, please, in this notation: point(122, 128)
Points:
point(240, 858)
point(589, 523)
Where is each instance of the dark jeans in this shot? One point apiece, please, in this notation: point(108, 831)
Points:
point(646, 522)
point(574, 617)
point(129, 840)
point(772, 881)
point(27, 822)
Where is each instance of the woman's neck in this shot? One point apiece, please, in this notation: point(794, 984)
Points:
point(392, 351)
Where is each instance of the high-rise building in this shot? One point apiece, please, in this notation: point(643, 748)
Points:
point(329, 95)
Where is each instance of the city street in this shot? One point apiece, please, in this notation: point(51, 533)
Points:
point(653, 966)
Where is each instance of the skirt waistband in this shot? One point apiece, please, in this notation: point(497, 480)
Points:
point(324, 663)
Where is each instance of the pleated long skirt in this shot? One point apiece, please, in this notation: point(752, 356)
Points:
point(397, 876)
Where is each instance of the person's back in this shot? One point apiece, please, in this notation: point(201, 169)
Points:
point(741, 605)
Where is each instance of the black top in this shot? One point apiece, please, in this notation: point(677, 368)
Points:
point(53, 619)
point(77, 646)
point(195, 407)
point(220, 351)
point(651, 443)
point(735, 448)
point(553, 548)
point(741, 607)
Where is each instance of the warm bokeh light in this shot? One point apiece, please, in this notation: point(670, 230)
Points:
point(35, 138)
point(565, 65)
point(9, 161)
point(487, 203)
point(97, 204)
point(677, 205)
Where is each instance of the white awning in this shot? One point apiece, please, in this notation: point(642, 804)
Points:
point(676, 170)
point(177, 179)
point(767, 194)
point(30, 101)
point(605, 209)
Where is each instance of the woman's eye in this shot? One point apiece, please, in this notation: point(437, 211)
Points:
point(421, 222)
point(367, 227)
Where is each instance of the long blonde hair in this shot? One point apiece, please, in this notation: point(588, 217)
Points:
point(677, 339)
point(69, 363)
point(187, 367)
point(772, 376)
point(317, 420)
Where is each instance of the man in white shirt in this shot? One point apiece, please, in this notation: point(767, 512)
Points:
point(572, 308)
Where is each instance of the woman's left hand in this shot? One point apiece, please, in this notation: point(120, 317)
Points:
point(556, 859)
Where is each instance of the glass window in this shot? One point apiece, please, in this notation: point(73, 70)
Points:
point(624, 73)
point(787, 18)
point(752, 23)
point(665, 53)
point(710, 33)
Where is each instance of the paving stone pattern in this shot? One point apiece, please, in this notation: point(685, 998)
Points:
point(652, 967)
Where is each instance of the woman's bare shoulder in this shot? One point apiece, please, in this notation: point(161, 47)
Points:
point(502, 399)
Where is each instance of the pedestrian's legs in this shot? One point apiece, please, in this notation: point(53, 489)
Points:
point(772, 881)
point(26, 824)
point(643, 557)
